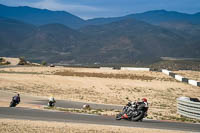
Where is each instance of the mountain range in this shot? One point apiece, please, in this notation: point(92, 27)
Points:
point(60, 37)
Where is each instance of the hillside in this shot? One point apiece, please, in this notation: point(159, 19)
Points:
point(12, 33)
point(45, 42)
point(40, 16)
point(133, 41)
point(155, 17)
point(127, 41)
point(43, 16)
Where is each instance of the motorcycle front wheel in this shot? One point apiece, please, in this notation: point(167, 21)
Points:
point(118, 116)
point(12, 104)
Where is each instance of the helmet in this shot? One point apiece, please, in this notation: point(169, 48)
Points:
point(144, 99)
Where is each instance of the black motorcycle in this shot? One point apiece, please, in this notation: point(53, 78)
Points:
point(133, 112)
point(13, 103)
point(51, 103)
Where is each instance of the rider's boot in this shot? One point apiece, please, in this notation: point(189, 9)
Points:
point(124, 116)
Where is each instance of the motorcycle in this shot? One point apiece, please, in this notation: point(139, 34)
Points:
point(51, 104)
point(133, 112)
point(13, 104)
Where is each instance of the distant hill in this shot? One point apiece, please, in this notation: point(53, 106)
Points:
point(159, 16)
point(43, 16)
point(36, 43)
point(12, 33)
point(175, 65)
point(40, 16)
point(53, 43)
point(152, 17)
point(131, 40)
point(127, 41)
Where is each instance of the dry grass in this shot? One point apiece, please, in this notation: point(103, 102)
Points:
point(102, 75)
point(195, 75)
point(26, 126)
point(104, 86)
point(92, 72)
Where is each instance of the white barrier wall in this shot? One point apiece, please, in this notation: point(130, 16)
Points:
point(135, 69)
point(165, 71)
point(193, 82)
point(178, 77)
point(107, 68)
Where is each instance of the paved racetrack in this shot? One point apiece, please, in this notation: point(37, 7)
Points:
point(78, 105)
point(45, 115)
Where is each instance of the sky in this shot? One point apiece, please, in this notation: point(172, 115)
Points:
point(87, 9)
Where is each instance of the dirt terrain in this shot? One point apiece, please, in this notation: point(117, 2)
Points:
point(100, 86)
point(13, 61)
point(25, 126)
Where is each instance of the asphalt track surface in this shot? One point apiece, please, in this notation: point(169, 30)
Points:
point(46, 115)
point(78, 105)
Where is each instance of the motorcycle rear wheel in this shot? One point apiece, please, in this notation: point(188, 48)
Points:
point(138, 117)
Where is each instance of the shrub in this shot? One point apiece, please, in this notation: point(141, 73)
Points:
point(2, 60)
point(44, 63)
point(7, 63)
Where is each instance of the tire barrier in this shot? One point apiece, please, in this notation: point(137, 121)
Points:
point(187, 107)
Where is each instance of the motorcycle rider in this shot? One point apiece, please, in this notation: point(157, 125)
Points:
point(132, 107)
point(16, 99)
point(144, 102)
point(52, 101)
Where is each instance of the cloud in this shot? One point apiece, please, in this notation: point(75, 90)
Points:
point(78, 8)
point(56, 5)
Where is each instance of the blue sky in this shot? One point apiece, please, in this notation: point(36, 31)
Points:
point(108, 8)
